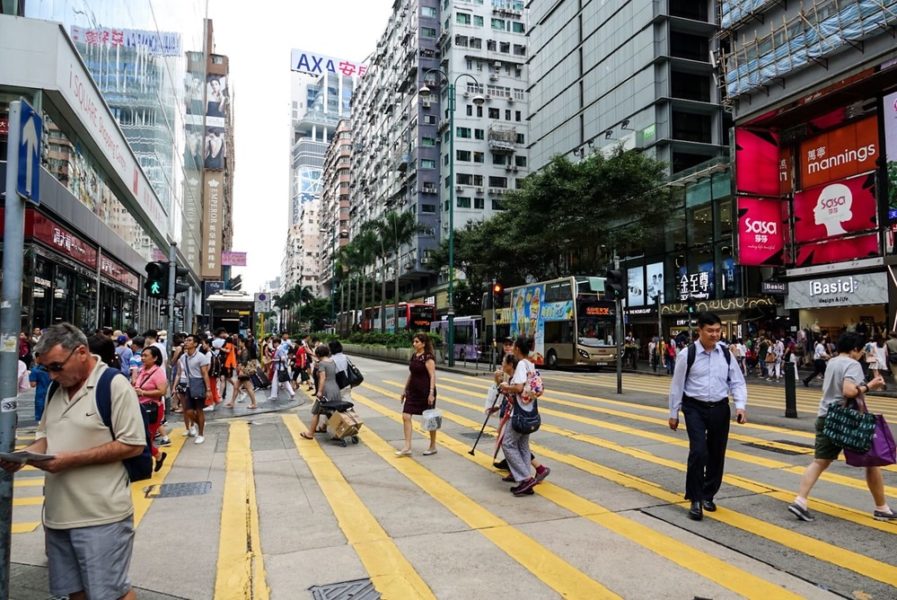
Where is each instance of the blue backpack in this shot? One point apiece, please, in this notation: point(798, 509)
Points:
point(139, 467)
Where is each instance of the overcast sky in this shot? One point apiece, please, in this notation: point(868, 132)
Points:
point(257, 37)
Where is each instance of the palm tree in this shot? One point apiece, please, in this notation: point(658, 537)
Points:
point(367, 249)
point(382, 235)
point(402, 228)
point(300, 294)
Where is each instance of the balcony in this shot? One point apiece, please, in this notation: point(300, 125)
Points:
point(502, 139)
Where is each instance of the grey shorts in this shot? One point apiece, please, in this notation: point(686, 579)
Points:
point(94, 560)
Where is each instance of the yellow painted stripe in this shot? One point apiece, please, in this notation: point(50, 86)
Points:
point(683, 443)
point(559, 575)
point(684, 555)
point(28, 501)
point(391, 573)
point(25, 527)
point(28, 482)
point(830, 508)
point(818, 549)
point(240, 569)
point(139, 497)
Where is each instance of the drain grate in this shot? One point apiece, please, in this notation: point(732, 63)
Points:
point(178, 490)
point(357, 589)
point(774, 449)
point(472, 436)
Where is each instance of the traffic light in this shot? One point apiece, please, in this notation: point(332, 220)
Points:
point(163, 309)
point(498, 294)
point(156, 284)
point(614, 286)
point(691, 307)
point(178, 286)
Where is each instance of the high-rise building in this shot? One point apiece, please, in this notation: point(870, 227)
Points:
point(334, 217)
point(322, 88)
point(402, 137)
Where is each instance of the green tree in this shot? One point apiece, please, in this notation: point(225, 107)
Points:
point(400, 227)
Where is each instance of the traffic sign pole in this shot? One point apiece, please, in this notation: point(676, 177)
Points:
point(10, 325)
point(172, 281)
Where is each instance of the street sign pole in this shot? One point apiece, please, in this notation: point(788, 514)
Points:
point(618, 305)
point(10, 325)
point(494, 329)
point(172, 281)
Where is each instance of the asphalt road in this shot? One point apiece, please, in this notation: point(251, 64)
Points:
point(258, 512)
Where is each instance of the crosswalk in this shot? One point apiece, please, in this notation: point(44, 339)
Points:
point(608, 523)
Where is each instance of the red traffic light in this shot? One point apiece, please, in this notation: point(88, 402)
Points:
point(497, 288)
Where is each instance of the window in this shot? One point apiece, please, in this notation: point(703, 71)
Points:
point(498, 182)
point(462, 132)
point(428, 32)
point(476, 43)
point(494, 113)
point(517, 27)
point(462, 202)
point(478, 180)
point(479, 111)
point(462, 18)
point(690, 86)
point(478, 20)
point(479, 203)
point(463, 178)
point(461, 41)
point(462, 155)
point(504, 47)
point(519, 50)
point(478, 157)
point(428, 208)
point(479, 134)
point(427, 142)
point(520, 161)
point(496, 205)
point(521, 139)
point(498, 159)
point(692, 47)
point(498, 24)
point(469, 110)
point(692, 127)
point(490, 45)
point(507, 114)
point(427, 163)
point(429, 12)
point(517, 115)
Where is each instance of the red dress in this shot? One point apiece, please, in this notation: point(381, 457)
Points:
point(418, 389)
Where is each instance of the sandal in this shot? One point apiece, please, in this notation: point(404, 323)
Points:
point(228, 406)
point(252, 406)
point(306, 435)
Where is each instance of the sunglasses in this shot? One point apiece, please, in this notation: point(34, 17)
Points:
point(56, 367)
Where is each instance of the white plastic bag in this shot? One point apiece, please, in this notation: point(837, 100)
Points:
point(431, 419)
point(492, 401)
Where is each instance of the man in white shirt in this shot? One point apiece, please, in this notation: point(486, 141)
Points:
point(820, 356)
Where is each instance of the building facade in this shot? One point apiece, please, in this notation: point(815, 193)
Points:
point(114, 179)
point(813, 91)
point(334, 217)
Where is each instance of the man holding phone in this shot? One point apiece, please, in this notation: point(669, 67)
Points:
point(704, 377)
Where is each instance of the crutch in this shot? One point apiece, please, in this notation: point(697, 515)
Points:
point(472, 451)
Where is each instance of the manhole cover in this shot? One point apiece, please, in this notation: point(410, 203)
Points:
point(472, 436)
point(357, 589)
point(774, 449)
point(177, 490)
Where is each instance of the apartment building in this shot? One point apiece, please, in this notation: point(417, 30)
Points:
point(334, 216)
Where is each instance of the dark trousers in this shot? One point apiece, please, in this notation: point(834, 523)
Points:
point(818, 369)
point(707, 424)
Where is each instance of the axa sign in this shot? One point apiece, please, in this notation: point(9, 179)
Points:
point(302, 61)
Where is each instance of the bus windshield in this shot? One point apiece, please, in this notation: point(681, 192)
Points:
point(596, 323)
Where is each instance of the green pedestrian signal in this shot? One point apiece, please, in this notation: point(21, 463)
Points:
point(155, 288)
point(156, 285)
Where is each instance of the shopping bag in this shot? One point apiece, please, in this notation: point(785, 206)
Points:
point(431, 419)
point(849, 428)
point(491, 402)
point(883, 452)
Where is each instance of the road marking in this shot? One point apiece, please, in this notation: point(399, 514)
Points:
point(139, 497)
point(28, 501)
point(684, 555)
point(240, 568)
point(26, 527)
point(730, 454)
point(545, 565)
point(815, 548)
point(28, 482)
point(393, 576)
point(823, 506)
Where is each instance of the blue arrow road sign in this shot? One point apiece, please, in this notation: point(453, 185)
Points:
point(30, 128)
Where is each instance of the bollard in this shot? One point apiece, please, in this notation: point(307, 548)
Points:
point(790, 390)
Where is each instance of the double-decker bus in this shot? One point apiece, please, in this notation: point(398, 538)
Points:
point(413, 316)
point(470, 344)
point(568, 318)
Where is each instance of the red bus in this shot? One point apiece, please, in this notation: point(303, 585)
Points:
point(413, 316)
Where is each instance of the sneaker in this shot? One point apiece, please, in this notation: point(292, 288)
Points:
point(166, 441)
point(501, 465)
point(159, 462)
point(884, 516)
point(541, 473)
point(209, 408)
point(802, 513)
point(199, 439)
point(193, 431)
point(509, 479)
point(525, 485)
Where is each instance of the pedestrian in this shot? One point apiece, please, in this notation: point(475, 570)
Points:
point(820, 356)
point(193, 378)
point(877, 356)
point(843, 384)
point(420, 390)
point(39, 379)
point(151, 386)
point(778, 352)
point(124, 355)
point(151, 338)
point(891, 353)
point(701, 389)
point(652, 354)
point(515, 444)
point(738, 353)
point(329, 390)
point(103, 347)
point(25, 350)
point(87, 514)
point(135, 362)
point(342, 369)
point(281, 369)
point(245, 368)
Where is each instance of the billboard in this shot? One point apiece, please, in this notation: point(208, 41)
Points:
point(654, 279)
point(233, 259)
point(837, 250)
point(757, 164)
point(312, 63)
point(636, 284)
point(890, 127)
point(849, 290)
point(834, 209)
point(160, 43)
point(217, 96)
point(840, 153)
point(526, 317)
point(761, 235)
point(212, 199)
point(214, 149)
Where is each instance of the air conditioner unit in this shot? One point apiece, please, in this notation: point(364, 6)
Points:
point(426, 103)
point(488, 96)
point(515, 168)
point(466, 94)
point(459, 188)
point(497, 64)
point(479, 190)
point(510, 99)
point(493, 77)
point(507, 167)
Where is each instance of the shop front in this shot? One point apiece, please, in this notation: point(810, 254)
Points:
point(833, 304)
point(741, 317)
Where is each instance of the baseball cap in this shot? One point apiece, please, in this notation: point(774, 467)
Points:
point(121, 339)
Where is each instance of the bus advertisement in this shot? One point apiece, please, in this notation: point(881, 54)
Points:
point(568, 319)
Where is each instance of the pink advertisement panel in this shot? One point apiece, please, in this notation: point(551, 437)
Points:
point(761, 232)
point(846, 206)
point(821, 253)
point(756, 162)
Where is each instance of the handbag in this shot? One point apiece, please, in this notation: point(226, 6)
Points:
point(150, 412)
point(283, 375)
point(355, 376)
point(526, 422)
point(770, 357)
point(850, 428)
point(342, 379)
point(883, 452)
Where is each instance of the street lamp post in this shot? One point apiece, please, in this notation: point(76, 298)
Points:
point(477, 100)
point(332, 275)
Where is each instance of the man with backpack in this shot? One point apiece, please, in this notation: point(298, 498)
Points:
point(704, 376)
point(88, 513)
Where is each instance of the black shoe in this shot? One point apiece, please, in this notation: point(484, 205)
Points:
point(709, 505)
point(806, 383)
point(501, 465)
point(523, 486)
point(695, 513)
point(159, 462)
point(509, 479)
point(800, 512)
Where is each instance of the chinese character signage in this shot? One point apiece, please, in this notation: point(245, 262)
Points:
point(696, 286)
point(758, 168)
point(164, 43)
point(761, 238)
point(212, 225)
point(312, 63)
point(840, 153)
point(835, 209)
point(233, 259)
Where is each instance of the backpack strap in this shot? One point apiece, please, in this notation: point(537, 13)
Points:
point(103, 393)
point(693, 352)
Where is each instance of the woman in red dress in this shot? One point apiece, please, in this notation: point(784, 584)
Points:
point(151, 385)
point(420, 390)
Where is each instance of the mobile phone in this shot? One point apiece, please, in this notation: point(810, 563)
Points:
point(739, 417)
